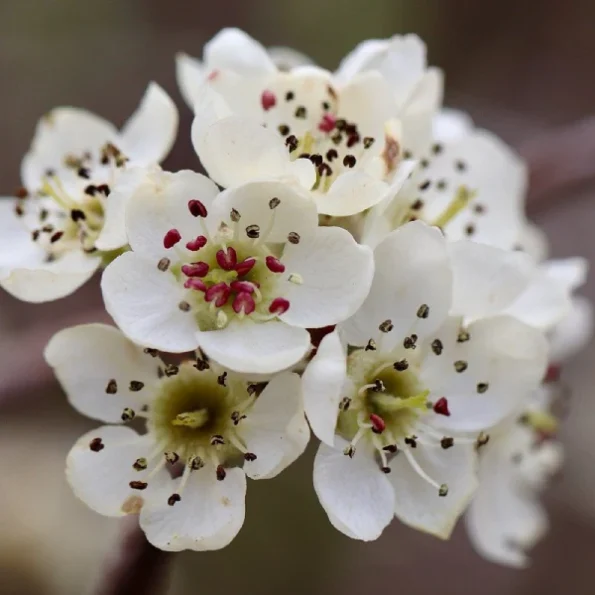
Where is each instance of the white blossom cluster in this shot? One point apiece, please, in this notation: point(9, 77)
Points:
point(356, 263)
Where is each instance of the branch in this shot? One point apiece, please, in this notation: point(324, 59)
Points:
point(134, 566)
point(560, 160)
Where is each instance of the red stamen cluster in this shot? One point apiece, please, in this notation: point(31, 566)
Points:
point(241, 290)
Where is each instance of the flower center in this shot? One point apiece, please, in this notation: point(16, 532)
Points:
point(232, 274)
point(67, 211)
point(195, 418)
point(306, 111)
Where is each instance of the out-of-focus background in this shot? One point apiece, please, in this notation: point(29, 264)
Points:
point(519, 67)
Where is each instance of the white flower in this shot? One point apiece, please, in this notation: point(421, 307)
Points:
point(62, 227)
point(468, 182)
point(430, 358)
point(241, 274)
point(338, 138)
point(506, 518)
point(213, 422)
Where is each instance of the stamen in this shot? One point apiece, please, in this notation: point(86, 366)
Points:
point(268, 100)
point(171, 238)
point(274, 264)
point(441, 407)
point(244, 267)
point(227, 260)
point(194, 283)
point(279, 306)
point(423, 474)
point(196, 269)
point(219, 292)
point(243, 303)
point(460, 201)
point(197, 208)
point(196, 244)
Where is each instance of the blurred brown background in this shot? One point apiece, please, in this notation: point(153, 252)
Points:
point(519, 67)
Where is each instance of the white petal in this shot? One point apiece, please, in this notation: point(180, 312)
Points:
point(367, 89)
point(534, 242)
point(356, 495)
point(160, 204)
point(235, 50)
point(365, 56)
point(237, 149)
point(412, 269)
point(494, 173)
point(149, 134)
point(86, 358)
point(351, 193)
point(485, 279)
point(113, 234)
point(323, 382)
point(190, 74)
point(255, 348)
point(264, 431)
point(208, 516)
point(296, 212)
point(336, 272)
point(101, 478)
point(17, 249)
point(43, 282)
point(572, 333)
point(63, 131)
point(286, 58)
point(417, 502)
point(143, 301)
point(502, 352)
point(450, 125)
point(547, 299)
point(504, 519)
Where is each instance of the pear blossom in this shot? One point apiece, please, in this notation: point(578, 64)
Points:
point(337, 136)
point(506, 519)
point(241, 274)
point(401, 393)
point(61, 227)
point(213, 426)
point(468, 182)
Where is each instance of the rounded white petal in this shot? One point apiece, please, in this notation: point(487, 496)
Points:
point(17, 249)
point(365, 90)
point(336, 272)
point(149, 134)
point(286, 58)
point(351, 193)
point(547, 299)
point(357, 497)
point(236, 149)
point(417, 502)
point(505, 518)
point(255, 347)
point(63, 131)
point(365, 56)
point(86, 358)
point(101, 478)
point(38, 282)
point(323, 382)
point(264, 431)
point(235, 50)
point(412, 269)
point(495, 175)
point(159, 204)
point(450, 125)
point(209, 515)
point(190, 73)
point(503, 353)
point(573, 332)
point(113, 234)
point(534, 242)
point(143, 301)
point(485, 279)
point(296, 212)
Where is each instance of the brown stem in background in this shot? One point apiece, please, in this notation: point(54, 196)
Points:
point(135, 566)
point(559, 161)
